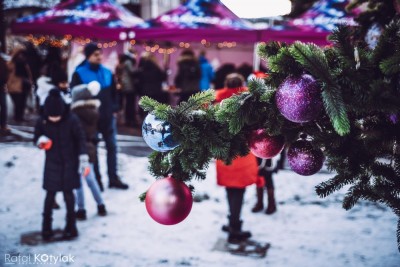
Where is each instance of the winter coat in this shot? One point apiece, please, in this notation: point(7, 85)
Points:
point(86, 73)
point(88, 114)
point(14, 82)
point(244, 170)
point(207, 74)
point(151, 77)
point(19, 79)
point(62, 159)
point(189, 74)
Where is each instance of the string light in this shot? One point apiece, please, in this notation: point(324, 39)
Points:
point(226, 44)
point(46, 39)
point(157, 48)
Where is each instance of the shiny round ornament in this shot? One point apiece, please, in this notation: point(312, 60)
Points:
point(157, 134)
point(373, 35)
point(299, 99)
point(168, 201)
point(265, 146)
point(304, 159)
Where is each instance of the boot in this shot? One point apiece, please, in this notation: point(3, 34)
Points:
point(101, 210)
point(117, 183)
point(80, 215)
point(70, 230)
point(236, 235)
point(47, 231)
point(259, 206)
point(271, 208)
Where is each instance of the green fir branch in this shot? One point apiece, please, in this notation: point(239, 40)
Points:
point(326, 188)
point(391, 65)
point(336, 110)
point(142, 196)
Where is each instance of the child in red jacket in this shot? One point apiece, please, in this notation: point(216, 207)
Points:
point(241, 173)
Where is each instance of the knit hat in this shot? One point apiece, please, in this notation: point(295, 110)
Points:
point(90, 48)
point(85, 91)
point(54, 105)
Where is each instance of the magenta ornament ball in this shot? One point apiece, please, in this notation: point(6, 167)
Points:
point(304, 159)
point(168, 201)
point(265, 146)
point(299, 99)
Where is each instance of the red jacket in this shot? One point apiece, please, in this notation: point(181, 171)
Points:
point(244, 170)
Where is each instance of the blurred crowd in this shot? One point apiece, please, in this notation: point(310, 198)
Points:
point(26, 75)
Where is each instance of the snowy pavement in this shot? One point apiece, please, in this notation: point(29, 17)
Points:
point(306, 230)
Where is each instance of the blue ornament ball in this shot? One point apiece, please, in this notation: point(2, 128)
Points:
point(157, 134)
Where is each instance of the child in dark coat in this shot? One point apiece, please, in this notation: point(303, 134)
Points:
point(61, 135)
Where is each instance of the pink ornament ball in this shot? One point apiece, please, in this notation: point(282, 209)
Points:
point(168, 201)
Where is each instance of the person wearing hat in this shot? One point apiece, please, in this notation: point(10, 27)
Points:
point(86, 108)
point(57, 80)
point(60, 134)
point(92, 70)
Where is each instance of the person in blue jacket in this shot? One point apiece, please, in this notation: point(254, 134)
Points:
point(207, 72)
point(90, 70)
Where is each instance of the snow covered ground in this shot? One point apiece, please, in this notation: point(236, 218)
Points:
point(306, 230)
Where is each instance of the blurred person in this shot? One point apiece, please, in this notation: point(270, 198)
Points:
point(90, 70)
point(221, 73)
point(238, 175)
point(3, 97)
point(127, 79)
point(33, 60)
point(58, 80)
point(151, 78)
point(187, 81)
point(59, 133)
point(245, 69)
point(207, 72)
point(19, 83)
point(86, 108)
point(53, 59)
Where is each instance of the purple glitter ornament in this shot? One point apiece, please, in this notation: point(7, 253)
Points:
point(299, 99)
point(394, 119)
point(304, 159)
